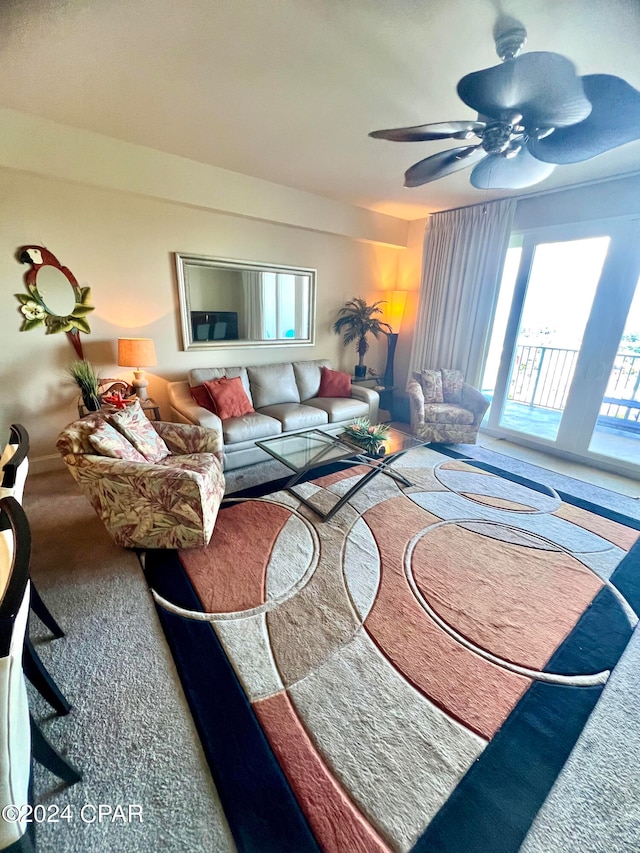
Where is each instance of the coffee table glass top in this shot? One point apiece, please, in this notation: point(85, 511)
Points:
point(304, 450)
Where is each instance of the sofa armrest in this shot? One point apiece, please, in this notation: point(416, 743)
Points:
point(367, 395)
point(475, 402)
point(190, 438)
point(184, 408)
point(416, 403)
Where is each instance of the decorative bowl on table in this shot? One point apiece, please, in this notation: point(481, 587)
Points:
point(369, 437)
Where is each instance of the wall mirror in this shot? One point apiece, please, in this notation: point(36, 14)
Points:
point(54, 299)
point(227, 303)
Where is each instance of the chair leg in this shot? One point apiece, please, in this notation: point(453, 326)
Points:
point(45, 754)
point(43, 613)
point(40, 677)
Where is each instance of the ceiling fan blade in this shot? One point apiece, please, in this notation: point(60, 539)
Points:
point(441, 164)
point(498, 172)
point(543, 87)
point(425, 132)
point(614, 121)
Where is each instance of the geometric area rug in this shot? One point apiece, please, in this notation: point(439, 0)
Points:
point(410, 676)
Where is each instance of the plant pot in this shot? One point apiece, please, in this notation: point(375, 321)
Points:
point(360, 371)
point(91, 402)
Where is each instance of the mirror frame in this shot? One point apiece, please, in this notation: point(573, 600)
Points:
point(182, 260)
point(33, 307)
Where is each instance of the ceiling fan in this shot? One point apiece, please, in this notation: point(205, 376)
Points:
point(534, 112)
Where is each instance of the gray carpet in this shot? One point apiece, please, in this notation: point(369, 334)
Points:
point(130, 731)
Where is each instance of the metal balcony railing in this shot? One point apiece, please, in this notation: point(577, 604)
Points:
point(542, 377)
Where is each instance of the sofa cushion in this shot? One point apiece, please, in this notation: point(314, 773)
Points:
point(107, 441)
point(294, 416)
point(341, 408)
point(133, 424)
point(228, 397)
point(334, 383)
point(199, 375)
point(447, 413)
point(308, 375)
point(201, 396)
point(431, 382)
point(452, 382)
point(273, 383)
point(249, 427)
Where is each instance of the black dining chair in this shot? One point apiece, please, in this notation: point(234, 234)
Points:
point(20, 736)
point(15, 465)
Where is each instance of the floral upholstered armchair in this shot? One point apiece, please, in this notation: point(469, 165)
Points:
point(157, 489)
point(445, 408)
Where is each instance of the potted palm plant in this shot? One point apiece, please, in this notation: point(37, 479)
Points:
point(86, 378)
point(355, 321)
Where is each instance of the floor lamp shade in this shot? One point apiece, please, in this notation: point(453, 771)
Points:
point(393, 311)
point(395, 301)
point(137, 353)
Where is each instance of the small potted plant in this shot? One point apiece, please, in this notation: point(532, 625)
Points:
point(86, 378)
point(366, 435)
point(356, 320)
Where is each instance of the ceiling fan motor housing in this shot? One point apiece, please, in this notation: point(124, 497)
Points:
point(510, 37)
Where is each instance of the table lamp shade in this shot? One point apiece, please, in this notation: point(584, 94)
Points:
point(136, 352)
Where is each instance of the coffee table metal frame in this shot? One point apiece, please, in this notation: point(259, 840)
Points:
point(317, 448)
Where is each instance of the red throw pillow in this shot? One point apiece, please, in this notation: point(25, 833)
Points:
point(228, 397)
point(201, 396)
point(334, 383)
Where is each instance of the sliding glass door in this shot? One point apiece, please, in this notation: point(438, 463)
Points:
point(565, 347)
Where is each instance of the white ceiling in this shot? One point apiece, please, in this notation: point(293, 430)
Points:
point(287, 90)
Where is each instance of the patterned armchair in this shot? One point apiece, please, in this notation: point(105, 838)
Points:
point(445, 408)
point(172, 503)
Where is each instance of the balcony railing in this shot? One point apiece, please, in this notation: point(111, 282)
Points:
point(542, 377)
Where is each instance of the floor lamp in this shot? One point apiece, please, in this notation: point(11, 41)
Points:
point(395, 302)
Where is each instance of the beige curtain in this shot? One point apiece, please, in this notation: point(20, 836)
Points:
point(464, 251)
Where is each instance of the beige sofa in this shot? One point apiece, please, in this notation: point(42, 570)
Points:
point(285, 400)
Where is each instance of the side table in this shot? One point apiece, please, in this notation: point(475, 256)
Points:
point(149, 407)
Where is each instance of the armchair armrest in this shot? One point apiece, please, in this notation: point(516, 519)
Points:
point(152, 506)
point(475, 402)
point(190, 438)
point(416, 403)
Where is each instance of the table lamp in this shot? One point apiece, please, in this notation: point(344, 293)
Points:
point(137, 353)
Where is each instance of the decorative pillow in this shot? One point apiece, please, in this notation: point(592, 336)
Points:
point(200, 394)
point(133, 424)
point(109, 442)
point(452, 382)
point(334, 383)
point(228, 397)
point(431, 381)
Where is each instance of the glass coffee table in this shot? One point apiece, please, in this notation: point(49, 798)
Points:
point(304, 451)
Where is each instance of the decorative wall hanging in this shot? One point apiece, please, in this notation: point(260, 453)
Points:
point(54, 299)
